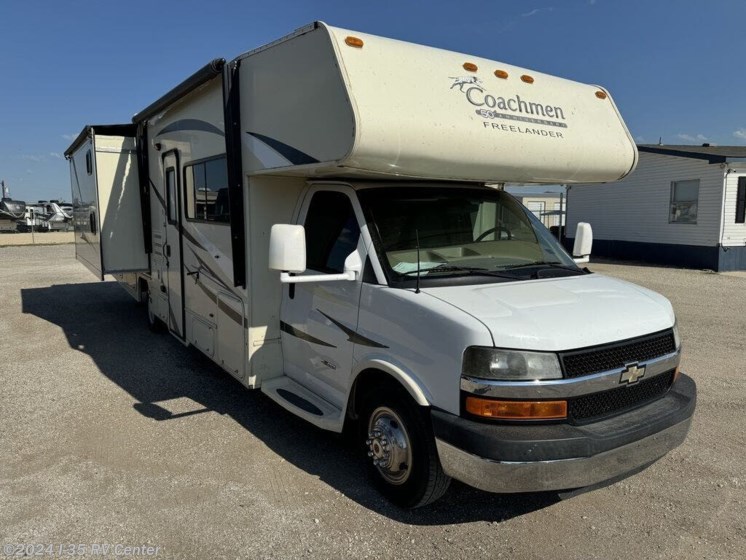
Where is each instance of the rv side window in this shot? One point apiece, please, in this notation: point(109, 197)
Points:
point(88, 162)
point(332, 231)
point(171, 194)
point(207, 190)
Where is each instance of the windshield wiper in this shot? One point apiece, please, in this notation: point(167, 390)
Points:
point(470, 270)
point(549, 264)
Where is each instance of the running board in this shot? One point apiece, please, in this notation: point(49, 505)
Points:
point(302, 402)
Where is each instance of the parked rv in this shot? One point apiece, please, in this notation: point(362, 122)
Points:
point(314, 216)
point(10, 210)
point(46, 216)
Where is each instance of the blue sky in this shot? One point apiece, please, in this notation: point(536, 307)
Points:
point(673, 67)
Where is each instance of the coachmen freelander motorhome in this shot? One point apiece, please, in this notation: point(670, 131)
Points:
point(315, 217)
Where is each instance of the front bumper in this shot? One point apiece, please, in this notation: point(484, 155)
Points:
point(531, 458)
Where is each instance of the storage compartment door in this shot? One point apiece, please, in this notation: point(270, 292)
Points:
point(231, 334)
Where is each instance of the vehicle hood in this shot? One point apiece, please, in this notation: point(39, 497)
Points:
point(561, 313)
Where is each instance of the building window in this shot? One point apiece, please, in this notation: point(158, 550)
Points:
point(537, 209)
point(559, 217)
point(207, 190)
point(684, 198)
point(741, 201)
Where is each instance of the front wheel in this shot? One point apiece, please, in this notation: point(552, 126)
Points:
point(402, 457)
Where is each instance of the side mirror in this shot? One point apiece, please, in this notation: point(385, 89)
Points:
point(287, 253)
point(287, 248)
point(581, 251)
point(353, 265)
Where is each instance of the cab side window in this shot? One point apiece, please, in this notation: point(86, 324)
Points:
point(332, 231)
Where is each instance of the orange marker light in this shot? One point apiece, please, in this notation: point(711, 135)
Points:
point(528, 79)
point(601, 94)
point(516, 410)
point(469, 67)
point(501, 74)
point(351, 41)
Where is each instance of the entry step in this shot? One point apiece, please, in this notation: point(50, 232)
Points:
point(304, 403)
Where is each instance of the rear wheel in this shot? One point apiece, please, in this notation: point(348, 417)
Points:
point(402, 457)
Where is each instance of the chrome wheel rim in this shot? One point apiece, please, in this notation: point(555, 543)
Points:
point(389, 446)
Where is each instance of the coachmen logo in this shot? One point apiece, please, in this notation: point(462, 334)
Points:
point(466, 81)
point(632, 373)
point(512, 108)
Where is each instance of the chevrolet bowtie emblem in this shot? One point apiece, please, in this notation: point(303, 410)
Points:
point(631, 374)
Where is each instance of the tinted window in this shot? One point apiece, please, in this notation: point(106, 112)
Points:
point(173, 203)
point(207, 184)
point(332, 231)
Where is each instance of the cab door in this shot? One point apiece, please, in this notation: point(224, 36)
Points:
point(319, 319)
point(173, 248)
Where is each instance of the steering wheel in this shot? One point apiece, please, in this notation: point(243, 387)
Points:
point(485, 233)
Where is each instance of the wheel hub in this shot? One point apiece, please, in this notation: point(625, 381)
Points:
point(388, 445)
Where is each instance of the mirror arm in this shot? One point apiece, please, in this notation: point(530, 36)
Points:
point(285, 277)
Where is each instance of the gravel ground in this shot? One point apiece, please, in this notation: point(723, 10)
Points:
point(47, 238)
point(113, 435)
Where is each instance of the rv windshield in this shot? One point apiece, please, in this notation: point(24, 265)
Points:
point(441, 232)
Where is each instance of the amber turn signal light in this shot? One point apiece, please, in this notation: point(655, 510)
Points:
point(351, 41)
point(501, 74)
point(528, 79)
point(470, 67)
point(601, 94)
point(516, 410)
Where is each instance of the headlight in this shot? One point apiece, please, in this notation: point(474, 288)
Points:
point(676, 336)
point(510, 365)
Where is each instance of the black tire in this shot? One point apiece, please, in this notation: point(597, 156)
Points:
point(155, 324)
point(419, 479)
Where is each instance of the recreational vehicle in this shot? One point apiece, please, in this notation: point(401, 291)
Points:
point(10, 210)
point(46, 216)
point(324, 218)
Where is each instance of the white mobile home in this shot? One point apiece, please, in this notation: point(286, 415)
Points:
point(314, 217)
point(683, 205)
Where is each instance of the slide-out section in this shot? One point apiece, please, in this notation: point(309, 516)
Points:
point(107, 215)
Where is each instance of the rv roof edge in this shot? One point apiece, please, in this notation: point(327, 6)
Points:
point(105, 129)
point(206, 73)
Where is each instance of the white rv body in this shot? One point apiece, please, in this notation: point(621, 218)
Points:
point(329, 128)
point(396, 108)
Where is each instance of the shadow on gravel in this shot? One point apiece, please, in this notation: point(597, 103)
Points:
point(102, 321)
